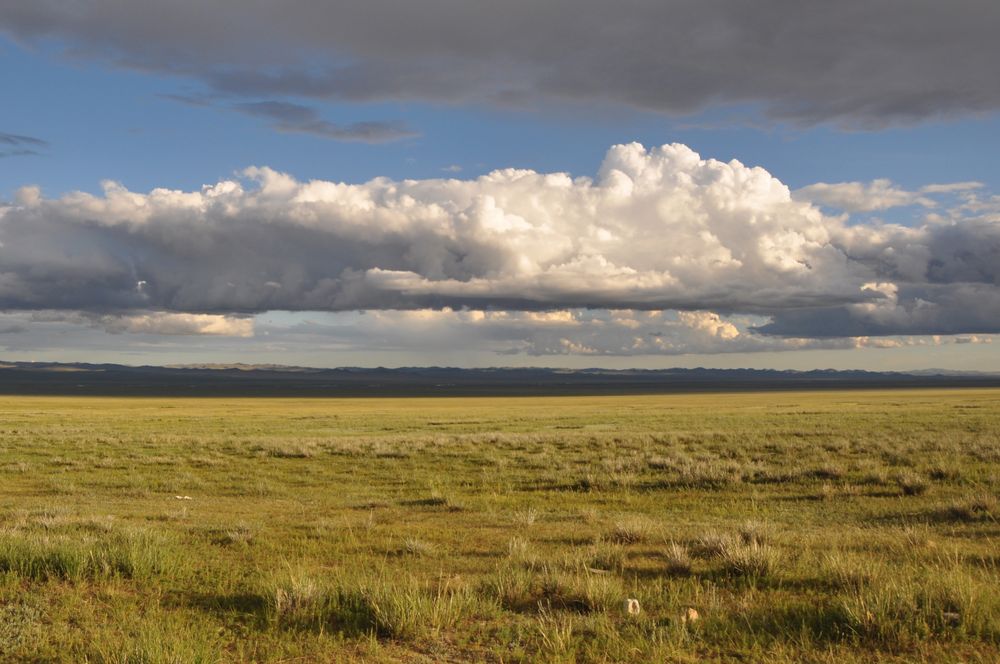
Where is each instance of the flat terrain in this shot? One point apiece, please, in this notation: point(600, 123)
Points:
point(782, 527)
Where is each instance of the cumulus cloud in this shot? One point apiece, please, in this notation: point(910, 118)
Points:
point(974, 339)
point(151, 323)
point(603, 333)
point(178, 324)
point(561, 332)
point(862, 197)
point(951, 187)
point(854, 62)
point(879, 194)
point(314, 337)
point(938, 278)
point(657, 229)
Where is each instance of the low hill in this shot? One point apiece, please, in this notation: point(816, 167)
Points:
point(274, 380)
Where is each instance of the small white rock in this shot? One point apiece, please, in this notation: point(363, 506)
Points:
point(632, 607)
point(689, 616)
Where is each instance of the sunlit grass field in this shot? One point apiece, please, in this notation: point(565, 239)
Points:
point(776, 527)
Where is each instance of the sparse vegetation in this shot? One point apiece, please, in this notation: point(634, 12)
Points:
point(912, 484)
point(418, 547)
point(749, 558)
point(677, 559)
point(608, 556)
point(981, 506)
point(631, 530)
point(526, 517)
point(823, 527)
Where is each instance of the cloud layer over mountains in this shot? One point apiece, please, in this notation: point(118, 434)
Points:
point(656, 229)
point(852, 62)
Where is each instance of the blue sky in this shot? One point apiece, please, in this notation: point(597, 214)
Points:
point(88, 101)
point(106, 122)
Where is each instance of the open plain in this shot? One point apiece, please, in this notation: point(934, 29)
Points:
point(836, 526)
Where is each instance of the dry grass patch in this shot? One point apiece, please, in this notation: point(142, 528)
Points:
point(631, 529)
point(912, 484)
point(677, 559)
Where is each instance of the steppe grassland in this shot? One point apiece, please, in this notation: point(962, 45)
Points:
point(781, 527)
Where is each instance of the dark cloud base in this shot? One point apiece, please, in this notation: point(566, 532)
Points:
point(852, 62)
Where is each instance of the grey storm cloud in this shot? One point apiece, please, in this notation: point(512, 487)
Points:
point(656, 229)
point(291, 118)
point(297, 119)
point(851, 62)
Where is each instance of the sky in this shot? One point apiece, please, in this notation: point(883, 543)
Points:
point(646, 183)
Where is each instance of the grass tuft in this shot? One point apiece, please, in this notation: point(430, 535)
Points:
point(677, 559)
point(418, 547)
point(980, 506)
point(752, 560)
point(133, 554)
point(912, 484)
point(631, 530)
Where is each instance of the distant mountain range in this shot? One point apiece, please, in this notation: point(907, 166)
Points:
point(277, 380)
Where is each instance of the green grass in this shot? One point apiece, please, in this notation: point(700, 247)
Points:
point(822, 527)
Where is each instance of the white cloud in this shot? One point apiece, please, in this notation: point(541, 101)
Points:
point(153, 323)
point(951, 187)
point(974, 339)
point(606, 333)
point(880, 194)
point(563, 332)
point(482, 334)
point(178, 324)
point(861, 197)
point(657, 229)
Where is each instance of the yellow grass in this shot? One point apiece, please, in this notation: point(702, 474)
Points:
point(826, 526)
